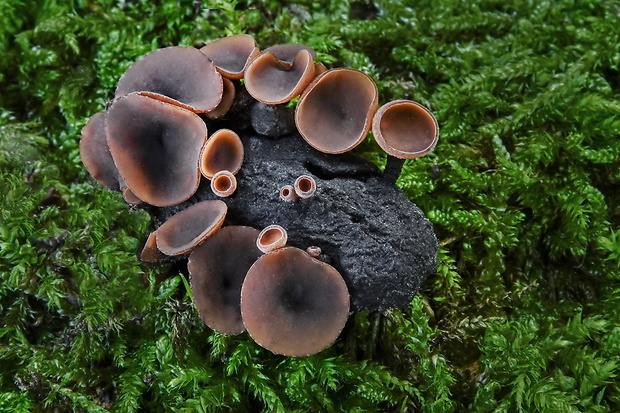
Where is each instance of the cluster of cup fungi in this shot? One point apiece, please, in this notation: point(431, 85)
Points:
point(151, 144)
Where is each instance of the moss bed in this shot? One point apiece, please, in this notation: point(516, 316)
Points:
point(523, 313)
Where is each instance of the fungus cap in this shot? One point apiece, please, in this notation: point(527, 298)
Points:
point(218, 267)
point(231, 55)
point(335, 112)
point(156, 148)
point(95, 153)
point(222, 152)
point(150, 252)
point(274, 81)
point(271, 238)
point(305, 186)
point(228, 98)
point(405, 129)
point(293, 304)
point(188, 228)
point(223, 184)
point(179, 75)
point(287, 193)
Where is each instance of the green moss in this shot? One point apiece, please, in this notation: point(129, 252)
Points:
point(522, 314)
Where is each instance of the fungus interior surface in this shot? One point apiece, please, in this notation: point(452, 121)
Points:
point(335, 112)
point(405, 128)
point(293, 304)
point(218, 267)
point(95, 153)
point(183, 74)
point(186, 229)
point(156, 147)
point(223, 151)
point(231, 54)
point(288, 51)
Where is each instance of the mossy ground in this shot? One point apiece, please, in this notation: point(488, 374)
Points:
point(523, 314)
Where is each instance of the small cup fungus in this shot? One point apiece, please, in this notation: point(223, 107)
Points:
point(228, 98)
point(335, 111)
point(271, 238)
point(222, 152)
point(287, 193)
point(218, 267)
point(231, 55)
point(179, 75)
point(150, 252)
point(305, 186)
point(188, 228)
point(293, 304)
point(223, 184)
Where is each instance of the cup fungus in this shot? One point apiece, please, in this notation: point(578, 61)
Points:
point(218, 267)
point(288, 51)
point(287, 193)
point(335, 112)
point(313, 251)
point(150, 252)
point(273, 81)
point(305, 186)
point(405, 129)
point(228, 98)
point(186, 229)
point(223, 184)
point(96, 155)
point(231, 55)
point(293, 304)
point(156, 147)
point(222, 152)
point(179, 75)
point(271, 238)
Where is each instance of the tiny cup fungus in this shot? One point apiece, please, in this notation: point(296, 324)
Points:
point(271, 238)
point(287, 193)
point(314, 251)
point(335, 112)
point(231, 55)
point(222, 152)
point(150, 252)
point(218, 267)
point(179, 75)
point(305, 186)
point(223, 184)
point(293, 304)
point(188, 228)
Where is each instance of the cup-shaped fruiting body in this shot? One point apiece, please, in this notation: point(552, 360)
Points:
point(218, 267)
point(271, 238)
point(405, 129)
point(231, 55)
point(130, 197)
point(96, 155)
point(228, 98)
point(156, 147)
point(313, 251)
point(223, 184)
point(305, 186)
point(222, 152)
point(287, 193)
point(335, 112)
point(293, 304)
point(288, 51)
point(188, 228)
point(179, 75)
point(150, 252)
point(274, 81)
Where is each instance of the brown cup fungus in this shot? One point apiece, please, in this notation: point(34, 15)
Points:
point(274, 81)
point(222, 152)
point(186, 229)
point(228, 98)
point(271, 238)
point(150, 252)
point(231, 55)
point(405, 129)
point(288, 51)
point(179, 75)
point(287, 193)
point(156, 147)
point(223, 184)
point(218, 267)
point(305, 186)
point(313, 251)
point(335, 112)
point(96, 155)
point(293, 304)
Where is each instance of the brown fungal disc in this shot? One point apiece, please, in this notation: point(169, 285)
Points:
point(156, 147)
point(178, 75)
point(223, 184)
point(274, 81)
point(293, 304)
point(95, 153)
point(288, 51)
point(287, 193)
point(335, 112)
point(228, 98)
point(186, 229)
point(222, 152)
point(405, 129)
point(150, 252)
point(218, 267)
point(271, 238)
point(305, 186)
point(231, 55)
